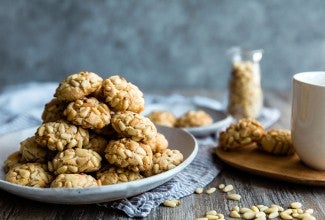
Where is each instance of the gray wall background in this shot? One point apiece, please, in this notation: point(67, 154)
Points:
point(159, 44)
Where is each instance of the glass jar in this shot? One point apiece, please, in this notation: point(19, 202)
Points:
point(245, 95)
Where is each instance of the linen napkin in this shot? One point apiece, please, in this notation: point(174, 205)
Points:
point(21, 107)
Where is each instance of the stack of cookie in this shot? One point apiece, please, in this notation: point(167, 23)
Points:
point(92, 134)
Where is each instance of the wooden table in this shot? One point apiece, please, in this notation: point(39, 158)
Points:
point(254, 189)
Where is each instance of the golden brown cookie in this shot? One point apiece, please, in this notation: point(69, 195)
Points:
point(115, 175)
point(165, 160)
point(12, 160)
point(122, 95)
point(31, 151)
point(245, 132)
point(75, 161)
point(88, 113)
point(74, 181)
point(164, 118)
point(53, 111)
point(78, 85)
point(30, 174)
point(97, 143)
point(134, 126)
point(127, 153)
point(61, 135)
point(194, 119)
point(277, 142)
point(158, 143)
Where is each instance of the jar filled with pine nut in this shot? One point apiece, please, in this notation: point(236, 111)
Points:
point(245, 95)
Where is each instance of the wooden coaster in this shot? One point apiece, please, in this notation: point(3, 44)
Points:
point(287, 168)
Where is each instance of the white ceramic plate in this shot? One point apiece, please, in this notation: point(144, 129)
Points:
point(178, 139)
point(220, 118)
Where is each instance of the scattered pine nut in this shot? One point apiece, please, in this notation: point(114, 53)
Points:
point(228, 188)
point(221, 186)
point(234, 214)
point(212, 217)
point(172, 203)
point(211, 212)
point(204, 218)
point(273, 215)
point(296, 205)
point(210, 190)
point(249, 215)
point(234, 196)
point(199, 190)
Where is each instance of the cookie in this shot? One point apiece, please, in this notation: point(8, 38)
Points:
point(53, 111)
point(163, 118)
point(243, 133)
point(61, 135)
point(97, 143)
point(75, 161)
point(158, 143)
point(89, 113)
point(122, 95)
point(31, 151)
point(12, 160)
point(134, 126)
point(30, 174)
point(78, 85)
point(194, 119)
point(115, 175)
point(165, 160)
point(277, 142)
point(74, 181)
point(127, 153)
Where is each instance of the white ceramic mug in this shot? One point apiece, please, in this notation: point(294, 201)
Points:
point(308, 118)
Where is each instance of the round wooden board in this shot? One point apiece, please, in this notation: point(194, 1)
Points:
point(287, 168)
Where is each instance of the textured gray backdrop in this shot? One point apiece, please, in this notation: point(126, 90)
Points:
point(158, 44)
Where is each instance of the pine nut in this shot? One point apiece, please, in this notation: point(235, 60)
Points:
point(171, 203)
point(285, 216)
point(249, 215)
point(199, 190)
point(221, 186)
point(235, 208)
point(228, 188)
point(211, 190)
point(201, 218)
point(234, 214)
point(273, 215)
point(243, 210)
point(296, 205)
point(310, 211)
point(212, 217)
point(234, 196)
point(254, 209)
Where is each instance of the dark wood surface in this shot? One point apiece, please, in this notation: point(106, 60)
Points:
point(253, 189)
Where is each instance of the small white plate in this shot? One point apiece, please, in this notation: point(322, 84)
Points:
point(220, 118)
point(178, 139)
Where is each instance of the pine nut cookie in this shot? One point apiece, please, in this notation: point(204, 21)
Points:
point(97, 143)
point(277, 142)
point(78, 85)
point(158, 143)
point(194, 119)
point(127, 153)
point(31, 151)
point(115, 175)
point(75, 180)
point(122, 95)
point(61, 135)
point(245, 132)
point(53, 111)
point(30, 174)
point(89, 113)
point(165, 160)
point(134, 126)
point(164, 118)
point(75, 161)
point(12, 160)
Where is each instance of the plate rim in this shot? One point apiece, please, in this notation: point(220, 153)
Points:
point(151, 181)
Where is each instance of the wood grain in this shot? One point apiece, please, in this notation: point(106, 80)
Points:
point(254, 189)
point(287, 168)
